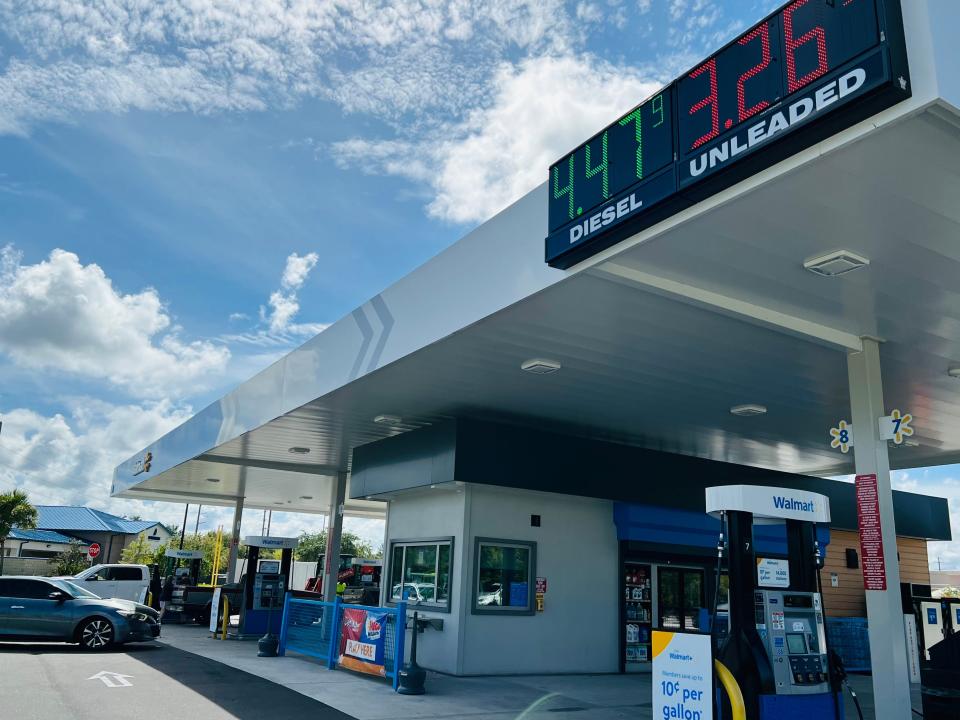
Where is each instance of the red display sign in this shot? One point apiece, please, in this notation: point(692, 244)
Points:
point(871, 539)
point(363, 641)
point(93, 550)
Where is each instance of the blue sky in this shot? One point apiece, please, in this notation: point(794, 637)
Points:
point(188, 190)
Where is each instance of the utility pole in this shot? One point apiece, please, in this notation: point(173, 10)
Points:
point(196, 528)
point(183, 528)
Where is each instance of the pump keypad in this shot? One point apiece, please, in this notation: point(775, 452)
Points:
point(808, 669)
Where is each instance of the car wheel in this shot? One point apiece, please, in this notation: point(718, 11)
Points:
point(96, 634)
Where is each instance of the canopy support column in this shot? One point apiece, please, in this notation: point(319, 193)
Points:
point(331, 566)
point(234, 538)
point(888, 646)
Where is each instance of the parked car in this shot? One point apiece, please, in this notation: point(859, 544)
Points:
point(126, 582)
point(50, 609)
point(491, 594)
point(414, 592)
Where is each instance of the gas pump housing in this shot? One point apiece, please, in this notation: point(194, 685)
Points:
point(265, 585)
point(776, 647)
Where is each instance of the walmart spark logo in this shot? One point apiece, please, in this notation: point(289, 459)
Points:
point(842, 436)
point(900, 426)
point(143, 465)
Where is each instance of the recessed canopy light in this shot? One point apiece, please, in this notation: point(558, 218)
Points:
point(838, 262)
point(748, 410)
point(213, 480)
point(306, 497)
point(540, 366)
point(278, 503)
point(954, 371)
point(297, 450)
point(388, 419)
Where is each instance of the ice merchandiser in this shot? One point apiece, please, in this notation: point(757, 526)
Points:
point(637, 615)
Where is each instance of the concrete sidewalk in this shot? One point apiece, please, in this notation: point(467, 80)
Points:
point(597, 697)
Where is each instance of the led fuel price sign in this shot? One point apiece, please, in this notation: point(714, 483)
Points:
point(766, 95)
point(634, 148)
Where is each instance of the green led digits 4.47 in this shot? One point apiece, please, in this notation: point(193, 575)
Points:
point(614, 147)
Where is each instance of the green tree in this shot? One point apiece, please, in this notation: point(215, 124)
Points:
point(73, 559)
point(15, 511)
point(314, 545)
point(139, 552)
point(950, 592)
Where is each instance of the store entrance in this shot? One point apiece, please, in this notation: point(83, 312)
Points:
point(680, 596)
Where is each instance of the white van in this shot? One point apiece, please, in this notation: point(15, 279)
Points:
point(127, 582)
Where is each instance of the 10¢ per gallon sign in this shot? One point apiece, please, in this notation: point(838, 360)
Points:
point(682, 676)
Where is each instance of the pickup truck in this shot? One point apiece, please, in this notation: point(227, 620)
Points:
point(126, 582)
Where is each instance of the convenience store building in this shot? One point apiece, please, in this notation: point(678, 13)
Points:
point(515, 421)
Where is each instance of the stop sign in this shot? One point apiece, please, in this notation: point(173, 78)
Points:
point(93, 550)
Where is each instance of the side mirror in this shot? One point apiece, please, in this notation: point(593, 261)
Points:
point(58, 595)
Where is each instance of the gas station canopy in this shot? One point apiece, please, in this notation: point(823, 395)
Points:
point(657, 337)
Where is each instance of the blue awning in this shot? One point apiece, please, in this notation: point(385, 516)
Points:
point(667, 526)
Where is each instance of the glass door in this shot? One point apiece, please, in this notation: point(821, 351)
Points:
point(637, 616)
point(680, 598)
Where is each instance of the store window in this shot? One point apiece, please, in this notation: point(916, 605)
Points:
point(503, 577)
point(420, 572)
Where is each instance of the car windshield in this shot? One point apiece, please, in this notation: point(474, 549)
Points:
point(74, 590)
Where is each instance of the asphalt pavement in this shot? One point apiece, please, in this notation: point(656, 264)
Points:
point(57, 682)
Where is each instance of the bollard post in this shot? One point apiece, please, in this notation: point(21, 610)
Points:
point(226, 619)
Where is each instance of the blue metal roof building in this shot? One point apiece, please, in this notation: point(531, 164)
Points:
point(84, 519)
point(44, 536)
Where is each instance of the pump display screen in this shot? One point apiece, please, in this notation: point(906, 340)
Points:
point(796, 644)
point(804, 62)
point(270, 567)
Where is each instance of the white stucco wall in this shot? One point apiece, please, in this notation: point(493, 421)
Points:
point(433, 514)
point(577, 554)
point(14, 546)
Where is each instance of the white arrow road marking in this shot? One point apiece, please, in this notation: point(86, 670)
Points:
point(112, 679)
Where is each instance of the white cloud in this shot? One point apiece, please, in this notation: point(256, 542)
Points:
point(589, 12)
point(282, 308)
point(60, 314)
point(540, 109)
point(69, 459)
point(80, 56)
point(297, 270)
point(283, 303)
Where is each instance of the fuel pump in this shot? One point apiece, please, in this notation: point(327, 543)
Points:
point(186, 572)
point(184, 566)
point(264, 585)
point(776, 645)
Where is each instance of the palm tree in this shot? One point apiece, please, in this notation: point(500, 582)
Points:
point(15, 511)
